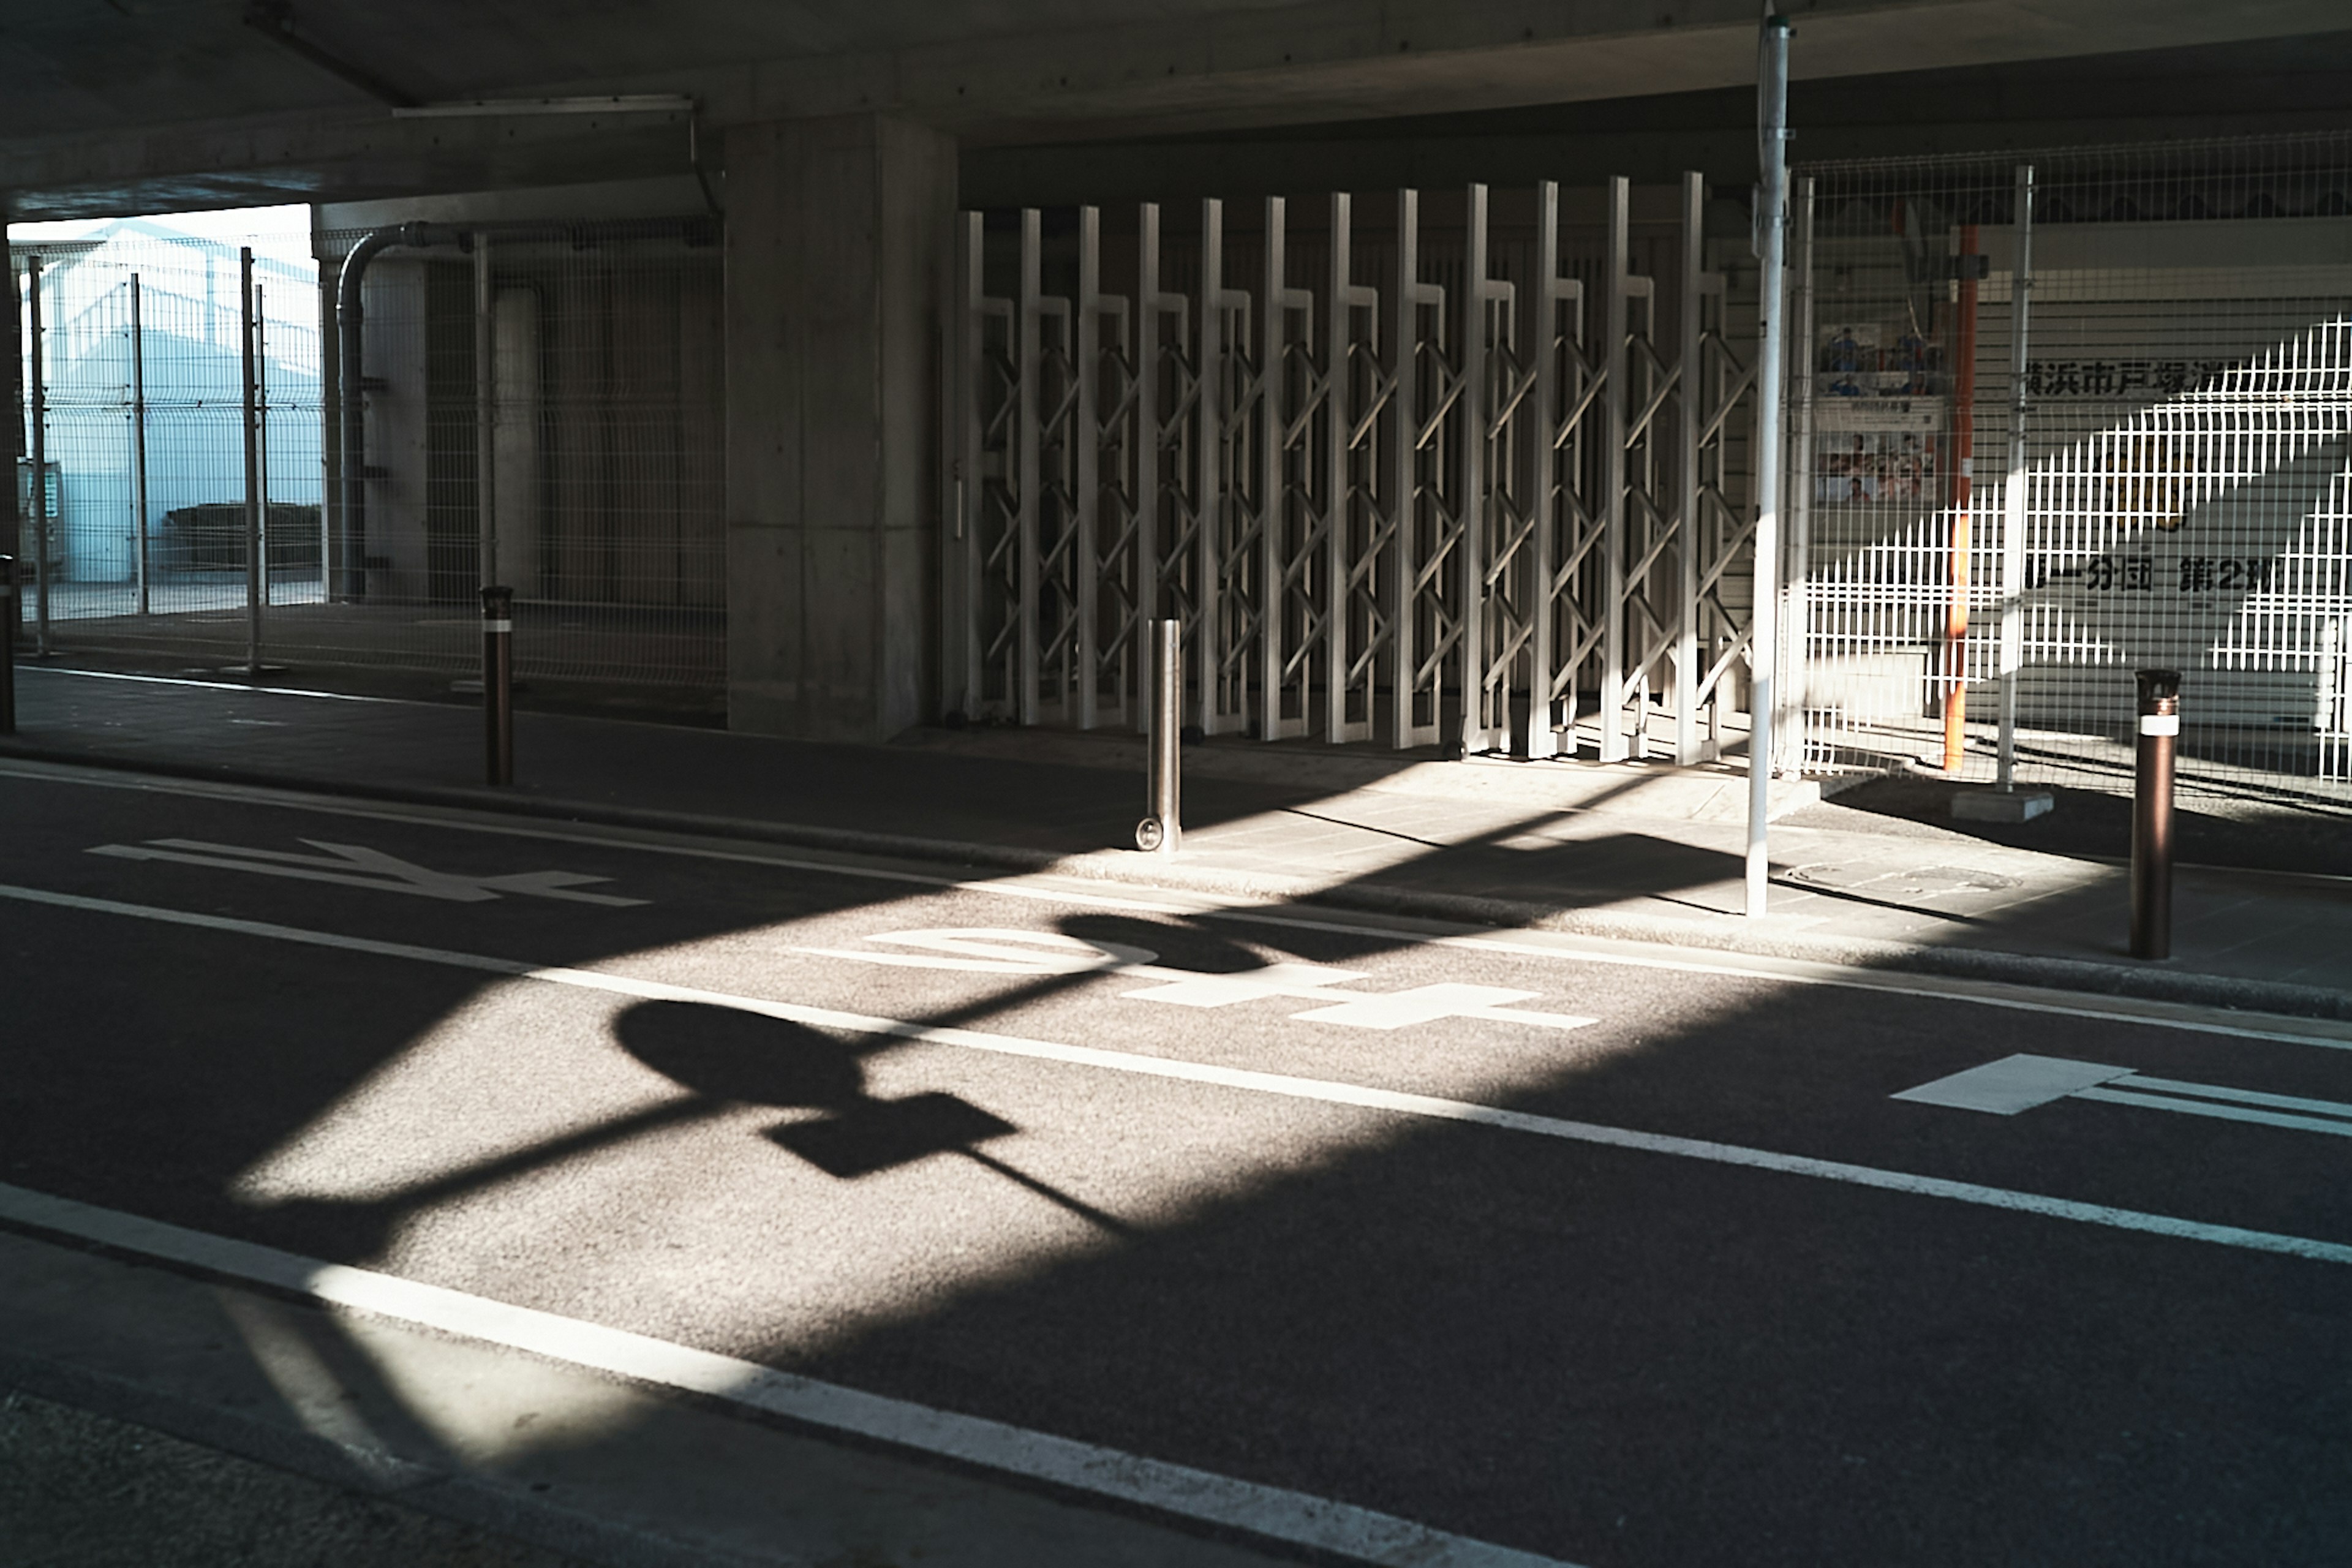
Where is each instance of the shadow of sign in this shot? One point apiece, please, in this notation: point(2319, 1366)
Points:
point(722, 1054)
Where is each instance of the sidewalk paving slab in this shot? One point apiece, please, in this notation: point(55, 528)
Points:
point(1621, 851)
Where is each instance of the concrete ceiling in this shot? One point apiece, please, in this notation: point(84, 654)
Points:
point(111, 106)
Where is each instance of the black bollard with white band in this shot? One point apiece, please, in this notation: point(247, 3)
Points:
point(2151, 852)
point(498, 682)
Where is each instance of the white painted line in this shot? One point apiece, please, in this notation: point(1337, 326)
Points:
point(1043, 887)
point(2018, 1083)
point(1270, 1512)
point(2240, 1096)
point(357, 866)
point(228, 686)
point(1321, 1090)
point(2117, 1093)
point(2013, 1084)
point(992, 950)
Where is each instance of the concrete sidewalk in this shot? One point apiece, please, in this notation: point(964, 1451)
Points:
point(1646, 852)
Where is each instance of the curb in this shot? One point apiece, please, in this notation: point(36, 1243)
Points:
point(2174, 986)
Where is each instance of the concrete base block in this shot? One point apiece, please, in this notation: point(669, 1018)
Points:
point(2001, 805)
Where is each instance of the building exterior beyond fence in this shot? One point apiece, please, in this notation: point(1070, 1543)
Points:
point(541, 406)
point(1461, 470)
point(2066, 416)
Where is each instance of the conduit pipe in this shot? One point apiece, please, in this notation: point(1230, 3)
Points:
point(349, 316)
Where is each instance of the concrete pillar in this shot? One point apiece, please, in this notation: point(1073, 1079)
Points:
point(838, 242)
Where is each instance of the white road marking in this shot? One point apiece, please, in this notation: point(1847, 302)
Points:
point(1271, 1513)
point(1324, 1090)
point(1427, 1004)
point(1045, 889)
point(2011, 1084)
point(992, 950)
point(995, 950)
point(226, 686)
point(2021, 1083)
point(1195, 988)
point(356, 865)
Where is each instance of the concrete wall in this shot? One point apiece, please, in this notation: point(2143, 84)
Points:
point(836, 245)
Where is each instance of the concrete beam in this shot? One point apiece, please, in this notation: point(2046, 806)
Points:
point(1004, 76)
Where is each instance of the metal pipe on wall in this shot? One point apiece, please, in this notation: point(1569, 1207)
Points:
point(349, 323)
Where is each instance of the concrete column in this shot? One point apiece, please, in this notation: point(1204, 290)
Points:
point(837, 246)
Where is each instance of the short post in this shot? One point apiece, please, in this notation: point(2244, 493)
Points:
point(1162, 827)
point(498, 682)
point(8, 632)
point(2151, 854)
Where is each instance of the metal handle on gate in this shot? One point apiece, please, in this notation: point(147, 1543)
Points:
point(1159, 832)
point(2151, 852)
point(498, 682)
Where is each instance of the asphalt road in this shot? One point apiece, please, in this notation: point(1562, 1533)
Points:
point(1677, 1308)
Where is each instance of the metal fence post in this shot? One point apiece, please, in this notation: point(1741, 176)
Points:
point(139, 446)
point(1163, 826)
point(2151, 852)
point(2012, 521)
point(254, 580)
point(1790, 726)
point(39, 496)
point(498, 682)
point(1771, 303)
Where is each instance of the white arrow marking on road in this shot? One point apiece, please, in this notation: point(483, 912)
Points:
point(1190, 988)
point(1426, 1004)
point(991, 950)
point(2021, 1083)
point(356, 865)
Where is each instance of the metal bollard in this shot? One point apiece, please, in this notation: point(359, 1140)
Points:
point(9, 617)
point(498, 682)
point(2151, 855)
point(1159, 830)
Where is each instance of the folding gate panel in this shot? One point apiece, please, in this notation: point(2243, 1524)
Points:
point(1411, 482)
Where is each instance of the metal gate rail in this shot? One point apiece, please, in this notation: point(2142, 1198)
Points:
point(1405, 482)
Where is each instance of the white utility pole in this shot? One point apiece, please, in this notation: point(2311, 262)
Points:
point(1764, 633)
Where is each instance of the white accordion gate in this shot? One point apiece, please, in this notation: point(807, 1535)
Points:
point(1413, 479)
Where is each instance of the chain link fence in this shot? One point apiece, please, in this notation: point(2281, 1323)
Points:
point(2063, 415)
point(540, 406)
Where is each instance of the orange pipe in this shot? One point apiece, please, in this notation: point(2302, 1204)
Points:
point(1962, 461)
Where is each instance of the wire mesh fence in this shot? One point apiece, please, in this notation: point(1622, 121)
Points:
point(541, 407)
point(2063, 415)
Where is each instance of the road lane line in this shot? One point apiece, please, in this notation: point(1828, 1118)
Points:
point(1271, 1513)
point(1327, 1091)
point(242, 686)
point(1551, 946)
point(2119, 1092)
point(2022, 1083)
